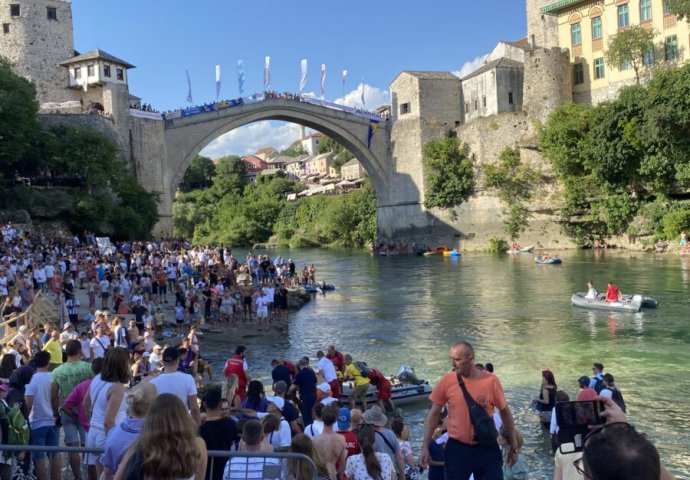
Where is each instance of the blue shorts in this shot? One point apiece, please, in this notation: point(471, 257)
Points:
point(74, 432)
point(44, 436)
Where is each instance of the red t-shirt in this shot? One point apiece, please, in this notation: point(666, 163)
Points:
point(351, 444)
point(612, 293)
point(338, 360)
point(486, 390)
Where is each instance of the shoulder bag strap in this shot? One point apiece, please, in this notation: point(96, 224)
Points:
point(468, 398)
point(387, 442)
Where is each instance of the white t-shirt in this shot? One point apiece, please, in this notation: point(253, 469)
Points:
point(270, 292)
point(328, 369)
point(99, 345)
point(281, 437)
point(179, 384)
point(41, 414)
point(314, 429)
point(356, 468)
point(262, 303)
point(241, 468)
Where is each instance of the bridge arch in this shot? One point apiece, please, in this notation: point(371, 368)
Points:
point(186, 137)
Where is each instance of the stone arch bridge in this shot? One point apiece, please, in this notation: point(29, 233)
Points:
point(161, 152)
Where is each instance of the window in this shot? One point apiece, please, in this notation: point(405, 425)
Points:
point(510, 98)
point(578, 74)
point(476, 105)
point(576, 33)
point(597, 31)
point(484, 101)
point(645, 10)
point(623, 16)
point(467, 107)
point(599, 68)
point(405, 108)
point(671, 48)
point(106, 70)
point(120, 74)
point(52, 13)
point(5, 28)
point(627, 64)
point(649, 56)
point(89, 70)
point(15, 11)
point(77, 73)
point(667, 7)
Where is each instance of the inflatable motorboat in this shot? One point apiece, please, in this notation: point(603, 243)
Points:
point(406, 388)
point(549, 261)
point(629, 304)
point(318, 287)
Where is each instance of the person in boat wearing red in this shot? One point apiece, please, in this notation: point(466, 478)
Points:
point(383, 388)
point(613, 294)
point(237, 365)
point(337, 358)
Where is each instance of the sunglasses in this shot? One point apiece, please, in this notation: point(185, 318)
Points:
point(612, 427)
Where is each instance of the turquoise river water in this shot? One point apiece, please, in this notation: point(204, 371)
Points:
point(399, 310)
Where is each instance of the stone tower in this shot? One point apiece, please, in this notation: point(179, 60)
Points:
point(542, 29)
point(36, 37)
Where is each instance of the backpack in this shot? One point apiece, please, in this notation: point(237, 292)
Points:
point(15, 429)
point(599, 385)
point(363, 368)
point(618, 398)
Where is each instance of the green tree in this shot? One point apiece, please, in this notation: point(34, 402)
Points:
point(294, 150)
point(199, 174)
point(229, 176)
point(341, 159)
point(629, 47)
point(514, 181)
point(449, 173)
point(327, 144)
point(18, 117)
point(561, 139)
point(681, 8)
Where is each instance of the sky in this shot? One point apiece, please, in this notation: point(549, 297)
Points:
point(374, 41)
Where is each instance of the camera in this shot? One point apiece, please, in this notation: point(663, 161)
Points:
point(575, 420)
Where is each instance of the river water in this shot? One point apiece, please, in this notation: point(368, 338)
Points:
point(399, 310)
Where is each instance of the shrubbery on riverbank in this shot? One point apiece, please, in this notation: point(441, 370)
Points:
point(228, 212)
point(98, 194)
point(625, 164)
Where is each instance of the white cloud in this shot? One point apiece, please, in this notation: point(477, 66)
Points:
point(469, 67)
point(250, 138)
point(280, 135)
point(373, 97)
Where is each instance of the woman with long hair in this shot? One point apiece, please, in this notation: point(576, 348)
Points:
point(7, 366)
point(256, 398)
point(229, 391)
point(168, 447)
point(547, 396)
point(297, 470)
point(120, 438)
point(368, 465)
point(104, 402)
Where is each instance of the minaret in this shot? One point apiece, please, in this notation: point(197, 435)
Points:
point(36, 37)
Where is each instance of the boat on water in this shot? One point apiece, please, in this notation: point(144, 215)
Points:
point(629, 304)
point(452, 253)
point(526, 249)
point(406, 388)
point(549, 261)
point(319, 287)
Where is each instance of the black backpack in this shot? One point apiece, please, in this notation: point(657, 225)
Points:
point(599, 385)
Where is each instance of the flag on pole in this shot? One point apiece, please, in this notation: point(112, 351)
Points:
point(323, 78)
point(364, 105)
point(344, 78)
point(303, 75)
point(267, 73)
point(240, 75)
point(217, 81)
point(189, 90)
point(373, 126)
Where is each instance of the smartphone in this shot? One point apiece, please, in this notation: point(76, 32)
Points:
point(575, 420)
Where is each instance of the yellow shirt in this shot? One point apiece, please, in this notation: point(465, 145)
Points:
point(352, 371)
point(53, 347)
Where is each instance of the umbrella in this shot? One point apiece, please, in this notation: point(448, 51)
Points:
point(345, 183)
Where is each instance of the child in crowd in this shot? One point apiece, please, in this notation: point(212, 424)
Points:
point(437, 454)
point(519, 470)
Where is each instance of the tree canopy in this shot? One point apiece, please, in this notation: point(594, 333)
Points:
point(628, 48)
point(199, 174)
point(681, 8)
point(449, 173)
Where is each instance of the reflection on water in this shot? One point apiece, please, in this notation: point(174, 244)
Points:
point(390, 311)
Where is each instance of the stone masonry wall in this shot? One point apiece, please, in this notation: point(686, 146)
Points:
point(548, 81)
point(36, 45)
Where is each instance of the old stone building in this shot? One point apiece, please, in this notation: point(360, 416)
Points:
point(352, 170)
